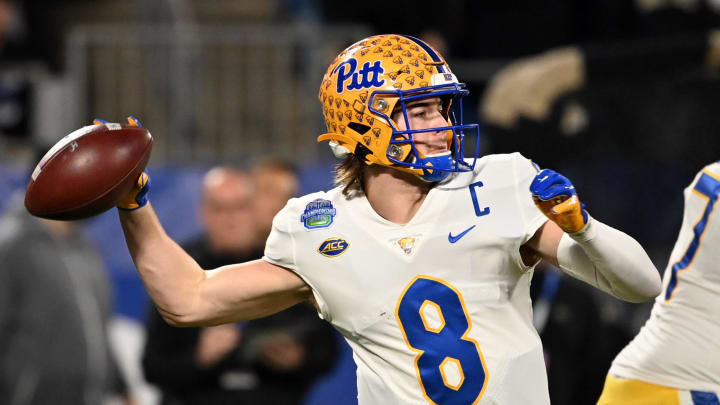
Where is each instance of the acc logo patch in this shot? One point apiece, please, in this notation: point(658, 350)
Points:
point(318, 214)
point(333, 247)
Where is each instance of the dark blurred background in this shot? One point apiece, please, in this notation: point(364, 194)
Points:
point(620, 96)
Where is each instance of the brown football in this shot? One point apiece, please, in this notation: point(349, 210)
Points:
point(88, 171)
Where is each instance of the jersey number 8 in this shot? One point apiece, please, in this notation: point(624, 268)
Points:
point(443, 343)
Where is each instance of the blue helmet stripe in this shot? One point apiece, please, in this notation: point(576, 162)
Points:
point(435, 57)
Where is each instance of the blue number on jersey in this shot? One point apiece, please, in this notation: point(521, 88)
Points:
point(438, 346)
point(709, 187)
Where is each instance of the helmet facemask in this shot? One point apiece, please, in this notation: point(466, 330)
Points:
point(402, 150)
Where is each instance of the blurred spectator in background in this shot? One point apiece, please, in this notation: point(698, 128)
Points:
point(270, 360)
point(55, 303)
point(647, 104)
point(635, 114)
point(189, 365)
point(619, 113)
point(645, 100)
point(276, 182)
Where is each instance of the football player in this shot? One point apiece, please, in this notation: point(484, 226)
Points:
point(675, 359)
point(420, 257)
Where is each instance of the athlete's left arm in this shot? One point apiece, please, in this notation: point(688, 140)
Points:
point(586, 248)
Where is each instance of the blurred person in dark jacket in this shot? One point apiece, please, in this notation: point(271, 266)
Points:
point(270, 360)
point(55, 304)
point(577, 344)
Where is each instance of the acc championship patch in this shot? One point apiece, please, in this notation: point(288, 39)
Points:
point(333, 247)
point(318, 214)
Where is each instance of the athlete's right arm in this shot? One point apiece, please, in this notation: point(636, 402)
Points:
point(187, 295)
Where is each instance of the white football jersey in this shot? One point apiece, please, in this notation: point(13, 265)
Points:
point(679, 346)
point(436, 310)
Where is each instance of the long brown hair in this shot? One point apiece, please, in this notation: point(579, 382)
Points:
point(349, 174)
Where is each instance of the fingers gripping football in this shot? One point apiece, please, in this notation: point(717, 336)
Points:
point(138, 196)
point(132, 121)
point(557, 198)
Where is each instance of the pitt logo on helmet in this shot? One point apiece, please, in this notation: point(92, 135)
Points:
point(368, 76)
point(333, 247)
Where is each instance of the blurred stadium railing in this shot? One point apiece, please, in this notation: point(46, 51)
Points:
point(208, 93)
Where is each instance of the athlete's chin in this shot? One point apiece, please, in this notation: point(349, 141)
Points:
point(436, 152)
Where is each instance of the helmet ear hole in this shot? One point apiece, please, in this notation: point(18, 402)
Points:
point(359, 128)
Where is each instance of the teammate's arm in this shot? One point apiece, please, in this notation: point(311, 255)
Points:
point(586, 248)
point(187, 295)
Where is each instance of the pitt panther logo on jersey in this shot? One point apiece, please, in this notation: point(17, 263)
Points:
point(368, 76)
point(407, 244)
point(333, 247)
point(318, 214)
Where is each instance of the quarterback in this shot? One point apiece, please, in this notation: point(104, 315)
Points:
point(422, 258)
point(675, 359)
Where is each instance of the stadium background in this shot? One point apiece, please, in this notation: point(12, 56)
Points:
point(223, 81)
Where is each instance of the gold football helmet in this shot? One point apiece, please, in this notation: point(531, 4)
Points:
point(374, 77)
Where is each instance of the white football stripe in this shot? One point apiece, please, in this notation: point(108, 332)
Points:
point(61, 144)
